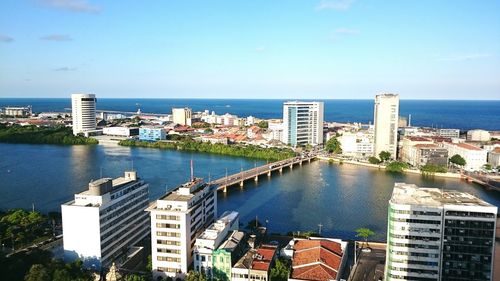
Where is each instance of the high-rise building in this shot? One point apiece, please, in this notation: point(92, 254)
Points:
point(440, 235)
point(386, 116)
point(182, 116)
point(210, 239)
point(83, 113)
point(177, 218)
point(103, 221)
point(302, 123)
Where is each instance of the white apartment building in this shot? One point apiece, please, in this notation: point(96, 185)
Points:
point(478, 135)
point(449, 133)
point(474, 156)
point(276, 130)
point(83, 113)
point(302, 123)
point(211, 239)
point(357, 144)
point(177, 218)
point(386, 116)
point(494, 157)
point(436, 234)
point(103, 221)
point(408, 153)
point(182, 116)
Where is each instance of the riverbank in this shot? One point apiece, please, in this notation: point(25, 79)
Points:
point(42, 135)
point(248, 151)
point(382, 167)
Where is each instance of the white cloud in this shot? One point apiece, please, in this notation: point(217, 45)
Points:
point(337, 5)
point(57, 38)
point(78, 6)
point(6, 39)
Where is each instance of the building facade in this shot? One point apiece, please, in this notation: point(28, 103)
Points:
point(474, 156)
point(83, 113)
point(152, 133)
point(227, 254)
point(359, 144)
point(120, 131)
point(182, 116)
point(177, 218)
point(440, 235)
point(16, 111)
point(386, 116)
point(478, 135)
point(494, 157)
point(103, 221)
point(303, 123)
point(449, 133)
point(210, 240)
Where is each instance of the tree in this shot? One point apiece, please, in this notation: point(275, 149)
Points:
point(61, 275)
point(37, 272)
point(263, 124)
point(149, 265)
point(195, 276)
point(280, 271)
point(396, 166)
point(333, 145)
point(134, 277)
point(431, 169)
point(458, 160)
point(487, 167)
point(253, 225)
point(384, 156)
point(373, 160)
point(365, 233)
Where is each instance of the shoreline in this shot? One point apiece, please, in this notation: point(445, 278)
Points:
point(382, 167)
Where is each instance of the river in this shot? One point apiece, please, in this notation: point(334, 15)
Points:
point(339, 197)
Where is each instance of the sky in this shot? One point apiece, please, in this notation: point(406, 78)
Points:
point(300, 49)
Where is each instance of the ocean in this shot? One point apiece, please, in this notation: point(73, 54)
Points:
point(460, 114)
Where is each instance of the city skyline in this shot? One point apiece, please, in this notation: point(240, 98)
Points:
point(279, 50)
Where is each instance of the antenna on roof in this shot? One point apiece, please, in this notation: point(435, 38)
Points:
point(101, 172)
point(192, 171)
point(132, 164)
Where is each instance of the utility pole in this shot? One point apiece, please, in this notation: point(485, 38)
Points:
point(320, 226)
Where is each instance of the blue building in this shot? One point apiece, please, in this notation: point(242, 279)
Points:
point(152, 134)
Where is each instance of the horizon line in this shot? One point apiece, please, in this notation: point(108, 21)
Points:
point(290, 99)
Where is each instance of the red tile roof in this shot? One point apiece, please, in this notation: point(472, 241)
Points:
point(468, 146)
point(316, 260)
point(422, 145)
point(264, 258)
point(414, 138)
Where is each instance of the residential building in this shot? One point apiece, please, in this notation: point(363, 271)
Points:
point(431, 154)
point(358, 144)
point(16, 111)
point(210, 239)
point(494, 157)
point(449, 133)
point(103, 221)
point(255, 265)
point(177, 218)
point(408, 152)
point(227, 254)
point(321, 259)
point(120, 131)
point(303, 123)
point(478, 135)
point(276, 130)
point(182, 116)
point(213, 139)
point(83, 113)
point(386, 116)
point(152, 133)
point(436, 234)
point(474, 156)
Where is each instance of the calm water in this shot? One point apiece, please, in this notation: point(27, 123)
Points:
point(463, 115)
point(340, 197)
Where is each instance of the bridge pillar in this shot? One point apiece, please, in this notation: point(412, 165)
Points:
point(291, 166)
point(241, 183)
point(256, 179)
point(269, 174)
point(300, 163)
point(225, 189)
point(309, 160)
point(281, 170)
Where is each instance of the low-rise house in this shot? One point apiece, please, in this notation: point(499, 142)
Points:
point(227, 254)
point(321, 259)
point(255, 265)
point(213, 139)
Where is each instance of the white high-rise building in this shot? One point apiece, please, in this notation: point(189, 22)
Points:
point(440, 235)
point(182, 116)
point(386, 116)
point(177, 218)
point(302, 123)
point(103, 221)
point(83, 113)
point(210, 240)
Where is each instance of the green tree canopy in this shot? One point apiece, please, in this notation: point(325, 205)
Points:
point(263, 124)
point(384, 155)
point(458, 160)
point(195, 276)
point(134, 277)
point(364, 233)
point(280, 270)
point(374, 160)
point(396, 166)
point(333, 146)
point(37, 272)
point(431, 169)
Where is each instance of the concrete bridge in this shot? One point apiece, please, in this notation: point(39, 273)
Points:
point(254, 173)
point(487, 181)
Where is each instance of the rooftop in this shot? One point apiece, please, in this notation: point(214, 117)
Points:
point(316, 260)
point(216, 228)
point(416, 138)
point(185, 191)
point(468, 146)
point(232, 241)
point(411, 194)
point(258, 259)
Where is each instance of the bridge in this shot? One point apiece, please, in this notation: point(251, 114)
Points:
point(490, 182)
point(254, 173)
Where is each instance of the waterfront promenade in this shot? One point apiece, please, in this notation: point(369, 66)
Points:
point(254, 173)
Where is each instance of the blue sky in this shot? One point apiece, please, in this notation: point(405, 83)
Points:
point(331, 49)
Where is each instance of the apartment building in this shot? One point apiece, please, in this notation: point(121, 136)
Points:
point(302, 123)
